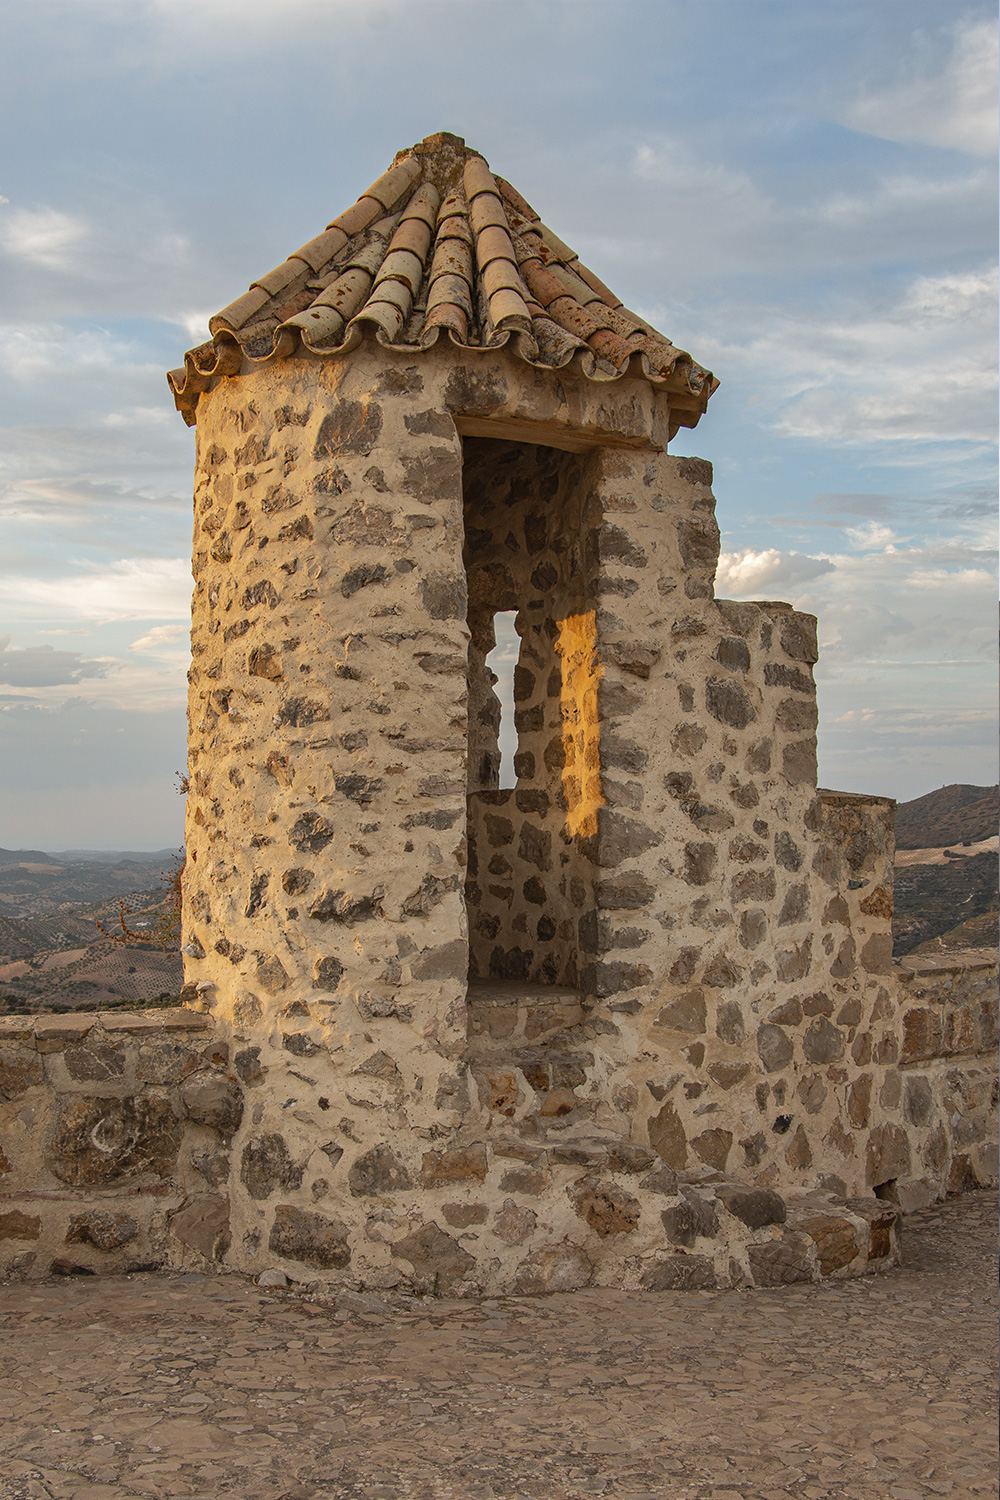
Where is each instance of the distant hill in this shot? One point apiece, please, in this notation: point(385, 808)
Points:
point(952, 815)
point(112, 856)
point(62, 961)
point(931, 900)
point(27, 857)
point(35, 884)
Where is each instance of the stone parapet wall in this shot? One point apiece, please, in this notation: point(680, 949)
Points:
point(114, 1138)
point(948, 1081)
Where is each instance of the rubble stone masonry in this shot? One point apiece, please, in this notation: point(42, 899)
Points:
point(634, 1021)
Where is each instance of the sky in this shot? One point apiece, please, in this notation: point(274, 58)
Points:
point(800, 193)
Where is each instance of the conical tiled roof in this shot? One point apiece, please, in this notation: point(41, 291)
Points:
point(439, 243)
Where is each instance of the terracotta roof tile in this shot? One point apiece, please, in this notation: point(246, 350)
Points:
point(437, 243)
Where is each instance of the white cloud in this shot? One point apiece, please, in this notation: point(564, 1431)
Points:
point(915, 368)
point(43, 666)
point(158, 637)
point(43, 236)
point(942, 95)
point(29, 350)
point(751, 574)
point(130, 589)
point(195, 325)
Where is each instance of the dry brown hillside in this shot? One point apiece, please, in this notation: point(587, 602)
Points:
point(952, 815)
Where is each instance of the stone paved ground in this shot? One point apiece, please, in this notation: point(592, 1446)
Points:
point(138, 1387)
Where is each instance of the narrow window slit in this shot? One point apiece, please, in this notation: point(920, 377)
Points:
point(501, 663)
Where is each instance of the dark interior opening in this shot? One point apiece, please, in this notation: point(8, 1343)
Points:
point(529, 882)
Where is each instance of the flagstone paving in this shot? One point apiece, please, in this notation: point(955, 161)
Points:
point(146, 1386)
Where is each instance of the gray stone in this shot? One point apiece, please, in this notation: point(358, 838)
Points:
point(299, 1045)
point(773, 1046)
point(513, 1224)
point(352, 427)
point(449, 961)
point(795, 963)
point(722, 973)
point(104, 1228)
point(214, 1100)
point(377, 1172)
point(787, 852)
point(438, 1260)
point(694, 1217)
point(887, 1155)
point(713, 1147)
point(271, 975)
point(98, 1141)
point(918, 1100)
point(728, 1075)
point(203, 1225)
point(556, 1268)
point(362, 1303)
point(667, 1137)
point(337, 906)
point(699, 863)
point(753, 928)
point(782, 1261)
point(248, 1066)
point(729, 1024)
point(298, 1234)
point(663, 1180)
point(698, 539)
point(267, 1166)
point(618, 838)
point(272, 1277)
point(679, 1273)
point(98, 1059)
point(248, 1010)
point(21, 1068)
point(822, 1042)
point(162, 1059)
point(729, 702)
point(798, 761)
point(310, 833)
point(754, 1207)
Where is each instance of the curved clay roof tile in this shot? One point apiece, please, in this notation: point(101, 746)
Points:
point(438, 244)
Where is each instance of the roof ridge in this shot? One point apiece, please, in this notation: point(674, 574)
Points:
point(438, 234)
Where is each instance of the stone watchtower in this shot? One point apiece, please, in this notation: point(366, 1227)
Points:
point(526, 1036)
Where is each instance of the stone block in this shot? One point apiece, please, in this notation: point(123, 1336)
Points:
point(266, 1166)
point(835, 1241)
point(104, 1228)
point(693, 1218)
point(439, 1262)
point(773, 1047)
point(377, 1172)
point(667, 1137)
point(782, 1261)
point(679, 1273)
point(755, 1207)
point(887, 1155)
point(15, 1225)
point(713, 1147)
point(21, 1068)
point(553, 1268)
point(684, 1013)
point(461, 1164)
point(202, 1224)
point(98, 1141)
point(606, 1208)
point(214, 1100)
point(297, 1234)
